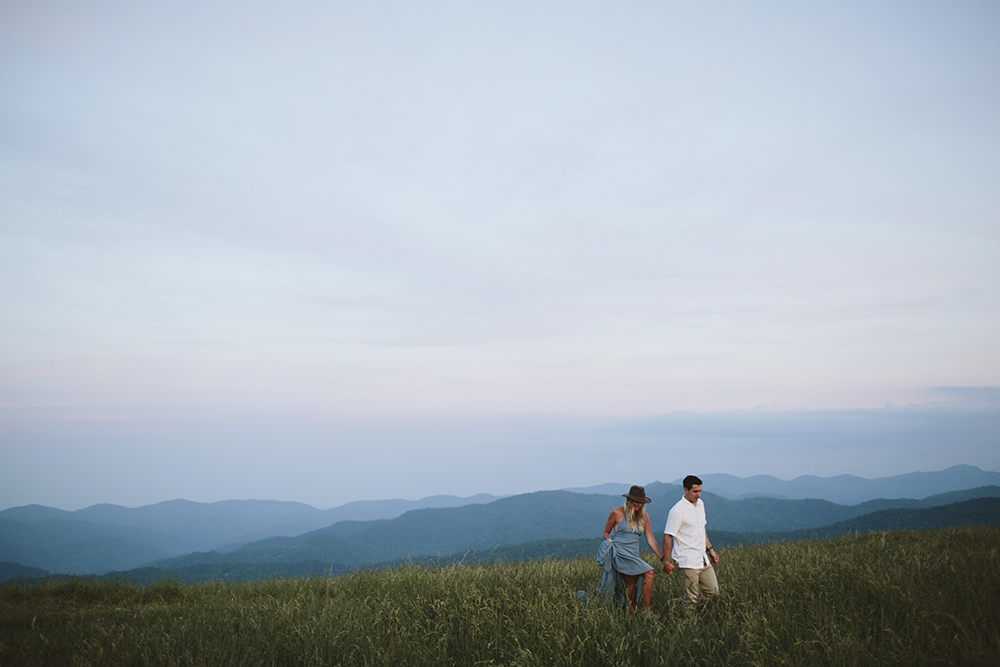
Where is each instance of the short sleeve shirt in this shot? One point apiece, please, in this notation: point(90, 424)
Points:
point(686, 525)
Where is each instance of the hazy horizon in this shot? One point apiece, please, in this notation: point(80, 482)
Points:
point(619, 485)
point(328, 252)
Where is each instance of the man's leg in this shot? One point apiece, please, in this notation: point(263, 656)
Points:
point(708, 584)
point(690, 591)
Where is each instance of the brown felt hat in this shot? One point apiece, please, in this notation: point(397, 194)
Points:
point(637, 493)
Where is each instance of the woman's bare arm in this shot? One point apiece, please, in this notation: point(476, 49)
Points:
point(651, 541)
point(613, 519)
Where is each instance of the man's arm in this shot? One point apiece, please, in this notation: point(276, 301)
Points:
point(713, 555)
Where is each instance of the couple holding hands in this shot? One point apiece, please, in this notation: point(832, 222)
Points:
point(684, 539)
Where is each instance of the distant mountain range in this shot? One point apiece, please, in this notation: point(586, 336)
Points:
point(190, 526)
point(110, 537)
point(180, 533)
point(538, 516)
point(841, 489)
point(979, 511)
point(850, 490)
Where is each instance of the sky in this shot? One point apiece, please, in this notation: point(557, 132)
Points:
point(337, 251)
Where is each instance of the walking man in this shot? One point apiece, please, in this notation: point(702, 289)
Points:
point(686, 539)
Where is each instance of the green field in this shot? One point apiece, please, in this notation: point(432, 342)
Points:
point(906, 598)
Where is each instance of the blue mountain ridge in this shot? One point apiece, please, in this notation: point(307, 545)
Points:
point(109, 537)
point(977, 511)
point(849, 489)
point(538, 516)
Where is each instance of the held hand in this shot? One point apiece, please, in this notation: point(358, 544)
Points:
point(668, 567)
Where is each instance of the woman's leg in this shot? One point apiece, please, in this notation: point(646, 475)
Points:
point(647, 588)
point(630, 583)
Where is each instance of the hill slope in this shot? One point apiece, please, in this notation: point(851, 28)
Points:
point(983, 511)
point(77, 547)
point(435, 535)
point(110, 537)
point(60, 541)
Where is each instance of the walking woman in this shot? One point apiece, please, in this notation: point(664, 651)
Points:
point(624, 527)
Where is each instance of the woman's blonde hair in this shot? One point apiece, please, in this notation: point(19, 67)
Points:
point(637, 524)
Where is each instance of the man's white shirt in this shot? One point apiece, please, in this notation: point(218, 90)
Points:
point(686, 525)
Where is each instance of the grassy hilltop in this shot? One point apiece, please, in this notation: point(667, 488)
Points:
point(896, 598)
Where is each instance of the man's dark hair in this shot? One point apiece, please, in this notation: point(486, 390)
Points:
point(690, 481)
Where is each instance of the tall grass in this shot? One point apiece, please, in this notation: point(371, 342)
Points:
point(906, 598)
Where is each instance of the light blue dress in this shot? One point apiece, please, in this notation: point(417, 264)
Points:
point(626, 551)
point(618, 557)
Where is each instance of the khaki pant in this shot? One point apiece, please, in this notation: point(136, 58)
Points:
point(698, 586)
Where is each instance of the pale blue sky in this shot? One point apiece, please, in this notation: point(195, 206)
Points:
point(329, 251)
